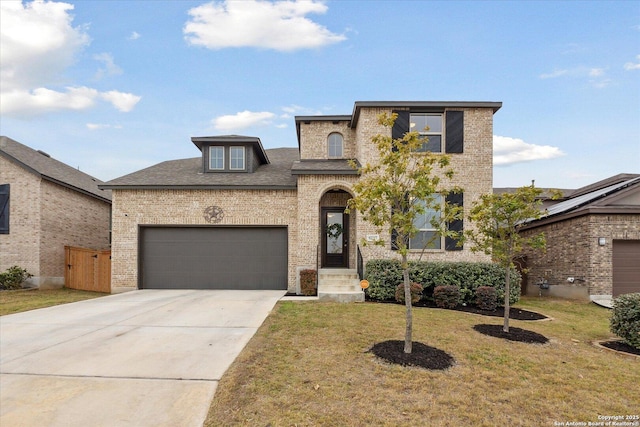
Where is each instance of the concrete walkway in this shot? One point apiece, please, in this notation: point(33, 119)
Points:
point(142, 358)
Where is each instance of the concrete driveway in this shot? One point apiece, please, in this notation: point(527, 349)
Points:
point(142, 358)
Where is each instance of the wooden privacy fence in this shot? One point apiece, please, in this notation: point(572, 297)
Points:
point(87, 269)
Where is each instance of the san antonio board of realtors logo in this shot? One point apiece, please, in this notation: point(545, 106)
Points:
point(213, 214)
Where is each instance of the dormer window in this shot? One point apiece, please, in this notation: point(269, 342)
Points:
point(335, 145)
point(236, 158)
point(216, 158)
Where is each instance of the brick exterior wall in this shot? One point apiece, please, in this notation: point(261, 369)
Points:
point(573, 251)
point(21, 246)
point(474, 173)
point(314, 137)
point(133, 208)
point(44, 217)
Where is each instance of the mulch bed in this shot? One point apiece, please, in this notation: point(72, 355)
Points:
point(422, 356)
point(514, 313)
point(621, 346)
point(514, 334)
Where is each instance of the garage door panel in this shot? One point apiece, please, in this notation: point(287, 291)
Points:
point(214, 257)
point(626, 267)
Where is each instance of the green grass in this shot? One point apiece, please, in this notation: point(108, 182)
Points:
point(309, 364)
point(24, 300)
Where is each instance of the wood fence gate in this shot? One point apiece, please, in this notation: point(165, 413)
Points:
point(87, 269)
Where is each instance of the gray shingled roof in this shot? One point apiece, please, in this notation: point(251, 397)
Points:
point(47, 168)
point(187, 173)
point(323, 167)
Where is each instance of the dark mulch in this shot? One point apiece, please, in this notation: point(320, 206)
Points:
point(514, 313)
point(422, 355)
point(621, 346)
point(514, 334)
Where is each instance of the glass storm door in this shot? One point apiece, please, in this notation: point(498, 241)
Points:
point(335, 238)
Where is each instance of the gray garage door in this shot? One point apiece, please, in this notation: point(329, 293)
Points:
point(626, 267)
point(213, 258)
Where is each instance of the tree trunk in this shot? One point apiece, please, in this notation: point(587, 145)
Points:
point(408, 339)
point(506, 300)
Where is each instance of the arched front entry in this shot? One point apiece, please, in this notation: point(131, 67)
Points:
point(337, 230)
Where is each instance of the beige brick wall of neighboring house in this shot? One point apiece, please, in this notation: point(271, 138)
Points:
point(21, 246)
point(69, 218)
point(44, 217)
point(573, 251)
point(132, 208)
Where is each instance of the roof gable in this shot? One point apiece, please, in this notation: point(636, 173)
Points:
point(42, 165)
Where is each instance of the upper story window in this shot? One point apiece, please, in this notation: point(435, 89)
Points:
point(430, 126)
point(236, 158)
point(216, 158)
point(335, 145)
point(427, 236)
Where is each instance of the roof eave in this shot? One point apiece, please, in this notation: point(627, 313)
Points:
point(425, 105)
point(196, 187)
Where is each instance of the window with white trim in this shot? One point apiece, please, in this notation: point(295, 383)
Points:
point(428, 125)
point(236, 158)
point(427, 236)
point(216, 158)
point(335, 144)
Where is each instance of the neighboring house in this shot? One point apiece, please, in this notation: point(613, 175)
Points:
point(45, 205)
point(593, 242)
point(239, 216)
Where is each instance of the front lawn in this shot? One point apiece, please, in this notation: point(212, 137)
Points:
point(24, 300)
point(309, 364)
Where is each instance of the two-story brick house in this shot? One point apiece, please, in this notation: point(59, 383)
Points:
point(46, 205)
point(239, 216)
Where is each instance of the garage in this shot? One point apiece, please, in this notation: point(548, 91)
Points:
point(626, 268)
point(213, 258)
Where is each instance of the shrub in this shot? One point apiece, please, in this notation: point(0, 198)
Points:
point(13, 278)
point(384, 275)
point(308, 282)
point(486, 298)
point(625, 319)
point(416, 292)
point(446, 296)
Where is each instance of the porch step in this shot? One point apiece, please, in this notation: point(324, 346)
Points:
point(340, 285)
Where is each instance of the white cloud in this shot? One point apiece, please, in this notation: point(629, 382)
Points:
point(279, 25)
point(38, 43)
point(134, 36)
point(110, 68)
point(98, 126)
point(596, 72)
point(122, 101)
point(554, 74)
point(507, 151)
point(633, 66)
point(594, 75)
point(242, 120)
point(43, 100)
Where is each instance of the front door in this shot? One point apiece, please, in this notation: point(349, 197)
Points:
point(335, 238)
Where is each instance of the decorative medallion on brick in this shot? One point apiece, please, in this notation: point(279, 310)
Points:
point(213, 214)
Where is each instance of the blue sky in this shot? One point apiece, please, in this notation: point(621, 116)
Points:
point(115, 86)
